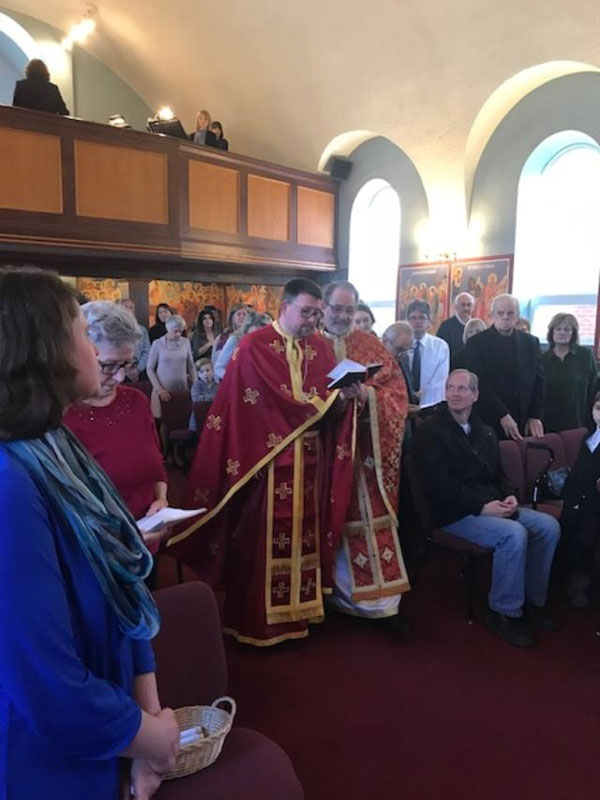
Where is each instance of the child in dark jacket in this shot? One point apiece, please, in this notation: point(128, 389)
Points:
point(204, 387)
point(580, 518)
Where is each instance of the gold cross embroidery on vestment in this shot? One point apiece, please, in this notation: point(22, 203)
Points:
point(283, 491)
point(213, 423)
point(251, 396)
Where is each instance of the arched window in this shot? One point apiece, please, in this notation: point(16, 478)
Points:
point(557, 247)
point(375, 249)
point(16, 49)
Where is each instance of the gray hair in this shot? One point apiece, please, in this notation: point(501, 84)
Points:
point(175, 323)
point(108, 322)
point(473, 379)
point(474, 322)
point(506, 296)
point(401, 325)
point(254, 319)
point(345, 285)
point(464, 294)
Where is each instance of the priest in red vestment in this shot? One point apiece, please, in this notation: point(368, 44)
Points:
point(274, 444)
point(369, 570)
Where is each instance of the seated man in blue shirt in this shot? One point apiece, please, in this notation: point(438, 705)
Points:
point(459, 459)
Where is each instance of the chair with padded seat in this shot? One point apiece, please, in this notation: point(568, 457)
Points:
point(200, 411)
point(572, 442)
point(145, 387)
point(468, 552)
point(539, 454)
point(175, 421)
point(192, 670)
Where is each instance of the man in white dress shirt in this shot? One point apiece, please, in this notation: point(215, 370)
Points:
point(429, 357)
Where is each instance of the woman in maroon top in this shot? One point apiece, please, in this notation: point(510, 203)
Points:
point(116, 425)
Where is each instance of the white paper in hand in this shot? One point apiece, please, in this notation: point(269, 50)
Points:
point(166, 516)
point(344, 367)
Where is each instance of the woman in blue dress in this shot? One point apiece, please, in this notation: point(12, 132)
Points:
point(79, 709)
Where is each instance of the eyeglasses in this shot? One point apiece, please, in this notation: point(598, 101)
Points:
point(337, 310)
point(308, 313)
point(112, 367)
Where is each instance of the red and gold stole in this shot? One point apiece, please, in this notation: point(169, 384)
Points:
point(263, 424)
point(371, 531)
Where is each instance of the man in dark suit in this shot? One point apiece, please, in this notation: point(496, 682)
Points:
point(398, 340)
point(511, 377)
point(37, 93)
point(452, 329)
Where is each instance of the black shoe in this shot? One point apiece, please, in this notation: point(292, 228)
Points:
point(396, 626)
point(539, 618)
point(513, 630)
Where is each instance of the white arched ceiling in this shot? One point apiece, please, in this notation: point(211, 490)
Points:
point(344, 145)
point(19, 36)
point(565, 104)
point(285, 78)
point(503, 100)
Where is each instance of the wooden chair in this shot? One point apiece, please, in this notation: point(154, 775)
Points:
point(177, 436)
point(192, 670)
point(470, 554)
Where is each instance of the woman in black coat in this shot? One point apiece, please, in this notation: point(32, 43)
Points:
point(580, 520)
point(570, 376)
point(37, 93)
point(163, 312)
point(217, 129)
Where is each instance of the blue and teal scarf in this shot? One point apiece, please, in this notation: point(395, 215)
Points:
point(86, 505)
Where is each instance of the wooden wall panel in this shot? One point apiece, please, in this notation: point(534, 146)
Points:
point(268, 208)
point(214, 194)
point(120, 183)
point(31, 171)
point(316, 217)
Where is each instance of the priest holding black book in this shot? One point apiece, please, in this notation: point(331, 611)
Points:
point(369, 571)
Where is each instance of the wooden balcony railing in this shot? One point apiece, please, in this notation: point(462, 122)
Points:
point(82, 189)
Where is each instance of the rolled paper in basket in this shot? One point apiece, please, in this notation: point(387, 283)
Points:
point(191, 740)
point(190, 735)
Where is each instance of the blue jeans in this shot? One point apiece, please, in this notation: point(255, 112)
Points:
point(523, 553)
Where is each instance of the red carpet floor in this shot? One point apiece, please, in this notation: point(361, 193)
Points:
point(452, 712)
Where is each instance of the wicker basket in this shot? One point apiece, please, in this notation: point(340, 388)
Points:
point(215, 722)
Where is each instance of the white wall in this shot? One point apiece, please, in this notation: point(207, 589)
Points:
point(568, 103)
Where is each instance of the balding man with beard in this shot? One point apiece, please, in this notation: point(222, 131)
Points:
point(369, 571)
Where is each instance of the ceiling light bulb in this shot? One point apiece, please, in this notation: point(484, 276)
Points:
point(165, 113)
point(88, 26)
point(78, 33)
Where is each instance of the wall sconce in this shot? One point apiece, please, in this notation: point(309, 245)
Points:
point(80, 31)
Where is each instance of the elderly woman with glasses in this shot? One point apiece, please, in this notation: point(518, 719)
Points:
point(170, 366)
point(115, 424)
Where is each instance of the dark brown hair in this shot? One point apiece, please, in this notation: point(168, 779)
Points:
point(364, 307)
point(37, 69)
point(299, 286)
point(36, 343)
